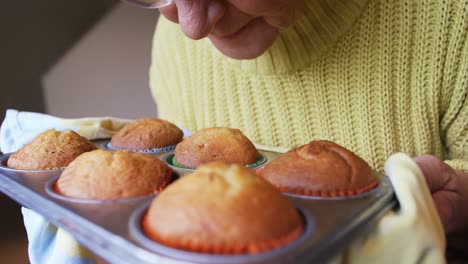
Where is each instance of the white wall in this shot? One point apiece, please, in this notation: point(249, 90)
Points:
point(106, 72)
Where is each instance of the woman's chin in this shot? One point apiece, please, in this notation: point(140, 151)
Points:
point(239, 52)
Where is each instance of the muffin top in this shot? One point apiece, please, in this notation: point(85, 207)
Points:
point(51, 149)
point(147, 133)
point(222, 208)
point(216, 144)
point(320, 168)
point(104, 174)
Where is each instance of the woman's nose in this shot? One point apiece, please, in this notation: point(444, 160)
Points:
point(198, 17)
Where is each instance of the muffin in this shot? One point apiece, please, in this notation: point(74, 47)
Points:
point(51, 149)
point(222, 208)
point(320, 168)
point(147, 134)
point(106, 175)
point(215, 144)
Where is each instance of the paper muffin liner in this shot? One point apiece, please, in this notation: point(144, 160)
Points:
point(262, 159)
point(330, 194)
point(253, 247)
point(109, 146)
point(172, 160)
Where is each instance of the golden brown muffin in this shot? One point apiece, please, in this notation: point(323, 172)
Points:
point(105, 174)
point(320, 168)
point(51, 149)
point(216, 144)
point(224, 209)
point(146, 134)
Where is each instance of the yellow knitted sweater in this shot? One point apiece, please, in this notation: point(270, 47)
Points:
point(376, 76)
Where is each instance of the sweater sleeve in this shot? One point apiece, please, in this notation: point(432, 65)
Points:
point(454, 122)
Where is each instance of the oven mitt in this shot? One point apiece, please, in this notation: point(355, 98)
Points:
point(412, 234)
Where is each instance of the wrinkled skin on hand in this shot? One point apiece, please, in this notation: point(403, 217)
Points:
point(449, 190)
point(240, 29)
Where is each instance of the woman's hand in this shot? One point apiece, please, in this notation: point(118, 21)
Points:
point(449, 190)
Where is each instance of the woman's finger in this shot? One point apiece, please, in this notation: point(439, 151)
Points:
point(170, 12)
point(448, 191)
point(435, 171)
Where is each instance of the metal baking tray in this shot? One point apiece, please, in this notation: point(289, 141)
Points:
point(111, 229)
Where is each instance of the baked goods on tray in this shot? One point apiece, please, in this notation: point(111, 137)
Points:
point(320, 168)
point(225, 209)
point(105, 175)
point(215, 144)
point(147, 134)
point(51, 149)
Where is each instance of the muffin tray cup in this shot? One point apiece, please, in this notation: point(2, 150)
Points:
point(112, 230)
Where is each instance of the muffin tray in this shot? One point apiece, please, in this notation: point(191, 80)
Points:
point(111, 229)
